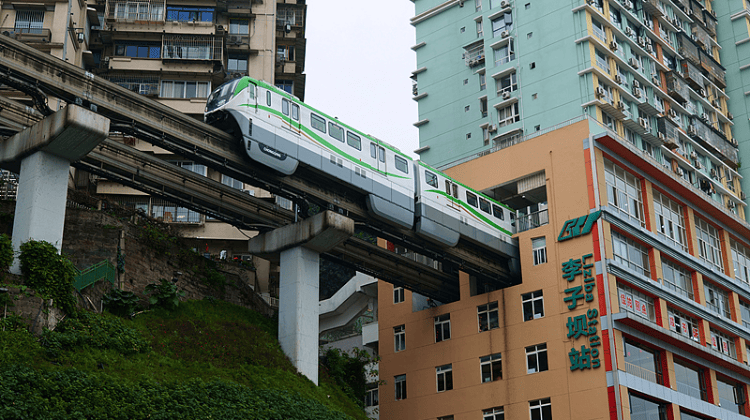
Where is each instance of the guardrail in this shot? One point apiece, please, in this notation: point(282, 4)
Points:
point(100, 271)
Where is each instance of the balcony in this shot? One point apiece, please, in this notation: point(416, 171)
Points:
point(677, 88)
point(474, 54)
point(710, 22)
point(652, 7)
point(702, 37)
point(692, 75)
point(29, 35)
point(641, 372)
point(192, 47)
point(526, 222)
point(669, 132)
point(135, 12)
point(712, 140)
point(688, 48)
point(289, 15)
point(714, 69)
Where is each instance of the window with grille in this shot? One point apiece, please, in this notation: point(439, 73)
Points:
point(670, 222)
point(238, 27)
point(29, 21)
point(190, 14)
point(624, 191)
point(237, 63)
point(709, 247)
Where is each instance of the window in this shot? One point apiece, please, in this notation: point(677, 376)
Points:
point(237, 63)
point(731, 395)
point(623, 191)
point(184, 90)
point(601, 61)
point(630, 254)
point(717, 300)
point(498, 212)
point(398, 294)
point(508, 115)
point(723, 344)
point(539, 250)
point(477, 5)
point(540, 409)
point(533, 305)
point(507, 83)
point(29, 21)
point(399, 338)
point(480, 29)
point(741, 261)
point(683, 324)
point(295, 112)
point(139, 50)
point(488, 316)
point(670, 222)
point(401, 164)
point(484, 205)
point(442, 327)
point(268, 98)
point(400, 382)
point(238, 27)
point(472, 199)
point(444, 377)
point(190, 14)
point(482, 81)
point(483, 105)
point(431, 179)
point(371, 396)
point(745, 313)
point(502, 24)
point(709, 248)
point(491, 367)
point(641, 408)
point(451, 188)
point(285, 107)
point(636, 302)
point(285, 85)
point(504, 53)
point(689, 380)
point(677, 279)
point(318, 123)
point(335, 131)
point(536, 358)
point(496, 413)
point(285, 53)
point(231, 182)
point(642, 362)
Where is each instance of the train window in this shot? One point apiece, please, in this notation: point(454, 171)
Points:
point(373, 151)
point(447, 187)
point(455, 190)
point(498, 212)
point(335, 131)
point(381, 154)
point(295, 112)
point(268, 98)
point(484, 205)
point(285, 106)
point(401, 164)
point(318, 123)
point(471, 199)
point(431, 179)
point(353, 140)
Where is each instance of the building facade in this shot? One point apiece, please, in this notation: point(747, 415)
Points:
point(176, 52)
point(609, 127)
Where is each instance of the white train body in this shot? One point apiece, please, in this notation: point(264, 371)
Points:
point(281, 132)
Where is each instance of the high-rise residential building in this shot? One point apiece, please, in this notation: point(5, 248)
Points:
point(175, 52)
point(608, 126)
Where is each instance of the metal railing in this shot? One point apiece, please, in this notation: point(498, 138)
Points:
point(28, 34)
point(144, 85)
point(100, 271)
point(640, 372)
point(526, 222)
point(687, 389)
point(474, 55)
point(289, 16)
point(132, 11)
point(192, 47)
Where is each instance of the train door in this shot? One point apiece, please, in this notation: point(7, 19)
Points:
point(377, 153)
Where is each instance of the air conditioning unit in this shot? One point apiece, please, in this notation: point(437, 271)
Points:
point(730, 115)
point(504, 4)
point(627, 4)
point(642, 41)
point(693, 155)
point(661, 136)
point(504, 34)
point(613, 45)
point(714, 175)
point(731, 205)
point(680, 171)
point(643, 122)
point(676, 22)
point(636, 84)
point(629, 31)
point(10, 34)
point(506, 95)
point(234, 39)
point(698, 164)
point(689, 12)
point(702, 92)
point(621, 105)
point(600, 92)
point(590, 2)
point(636, 92)
point(492, 128)
point(716, 103)
point(743, 196)
point(618, 79)
point(655, 79)
point(672, 113)
point(633, 63)
point(704, 116)
point(649, 49)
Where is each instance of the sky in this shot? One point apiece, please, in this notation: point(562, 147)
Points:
point(358, 63)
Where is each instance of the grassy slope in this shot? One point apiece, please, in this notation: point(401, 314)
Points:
point(190, 349)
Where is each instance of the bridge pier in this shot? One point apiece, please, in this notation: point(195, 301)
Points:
point(297, 248)
point(41, 155)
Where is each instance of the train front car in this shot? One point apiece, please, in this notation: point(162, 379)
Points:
point(447, 210)
point(233, 107)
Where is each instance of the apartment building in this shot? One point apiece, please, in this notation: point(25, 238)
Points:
point(176, 52)
point(608, 125)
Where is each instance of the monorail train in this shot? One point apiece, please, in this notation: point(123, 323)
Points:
point(281, 132)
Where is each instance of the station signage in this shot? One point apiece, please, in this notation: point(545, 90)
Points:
point(585, 326)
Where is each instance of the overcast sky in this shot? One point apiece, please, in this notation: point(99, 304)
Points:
point(358, 63)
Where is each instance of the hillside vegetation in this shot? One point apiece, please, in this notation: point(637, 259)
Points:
point(204, 360)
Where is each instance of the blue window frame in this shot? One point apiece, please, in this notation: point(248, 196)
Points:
point(190, 14)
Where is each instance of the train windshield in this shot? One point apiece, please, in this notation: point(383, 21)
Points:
point(221, 95)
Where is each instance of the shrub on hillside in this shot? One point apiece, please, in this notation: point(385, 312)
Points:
point(49, 273)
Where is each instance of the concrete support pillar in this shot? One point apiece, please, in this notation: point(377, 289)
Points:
point(40, 207)
point(298, 309)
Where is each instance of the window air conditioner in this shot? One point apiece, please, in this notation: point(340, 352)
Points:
point(613, 45)
point(506, 95)
point(633, 63)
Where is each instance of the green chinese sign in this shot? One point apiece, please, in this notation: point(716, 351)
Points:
point(582, 326)
point(574, 228)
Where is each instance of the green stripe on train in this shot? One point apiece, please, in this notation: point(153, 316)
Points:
point(492, 200)
point(472, 210)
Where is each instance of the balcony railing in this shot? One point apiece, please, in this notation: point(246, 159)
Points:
point(147, 85)
point(641, 372)
point(31, 35)
point(132, 11)
point(687, 389)
point(526, 222)
point(192, 47)
point(474, 55)
point(289, 16)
